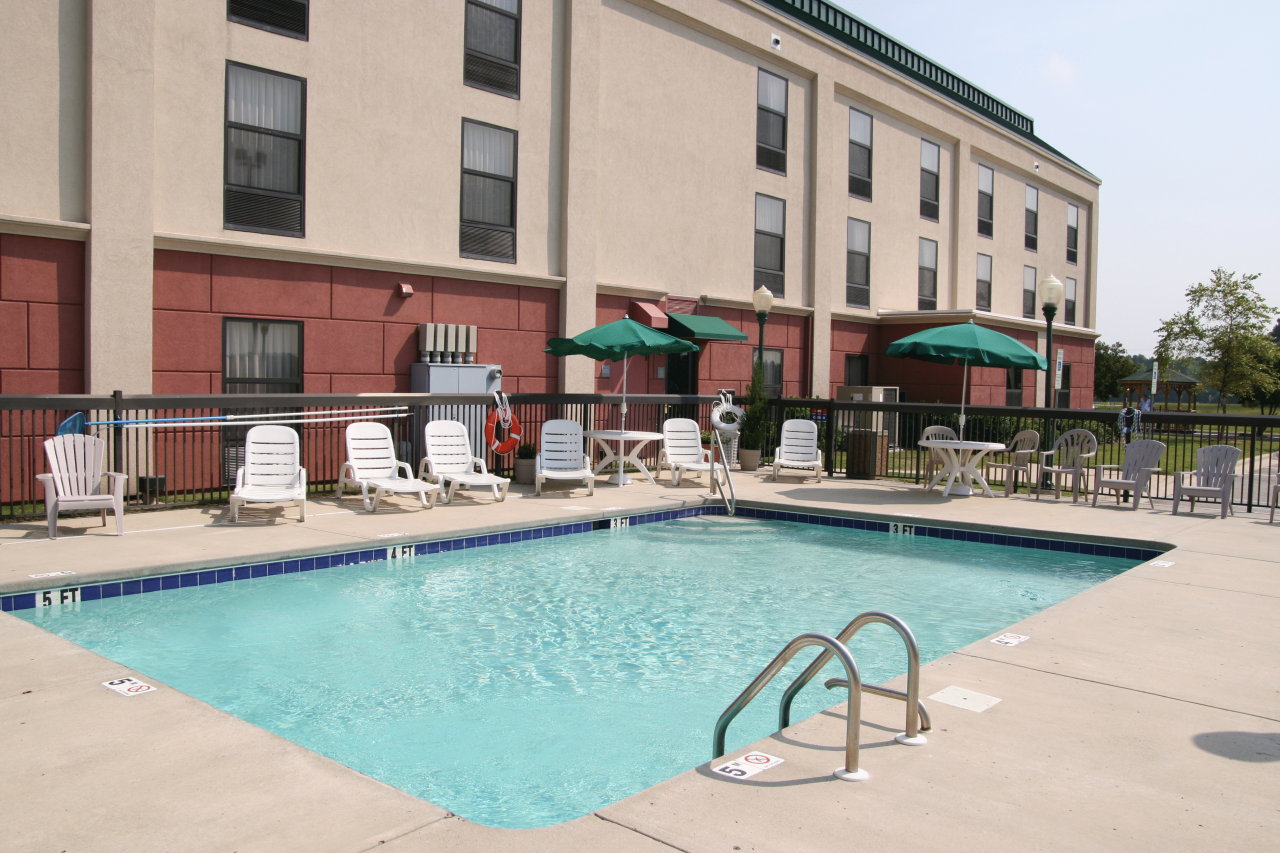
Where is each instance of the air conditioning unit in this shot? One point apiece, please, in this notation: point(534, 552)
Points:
point(879, 421)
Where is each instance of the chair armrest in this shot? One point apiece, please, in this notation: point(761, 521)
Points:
point(1101, 468)
point(1180, 478)
point(404, 466)
point(50, 488)
point(301, 479)
point(239, 478)
point(1044, 456)
point(118, 481)
point(477, 464)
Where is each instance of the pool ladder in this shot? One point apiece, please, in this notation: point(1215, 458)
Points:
point(726, 490)
point(917, 716)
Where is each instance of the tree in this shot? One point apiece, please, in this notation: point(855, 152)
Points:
point(1268, 403)
point(1225, 323)
point(1110, 364)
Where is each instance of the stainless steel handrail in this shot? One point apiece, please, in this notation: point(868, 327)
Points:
point(731, 498)
point(915, 709)
point(854, 709)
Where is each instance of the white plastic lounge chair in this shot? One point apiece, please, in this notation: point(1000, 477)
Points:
point(1214, 477)
point(372, 464)
point(561, 456)
point(1141, 460)
point(271, 473)
point(1017, 459)
point(937, 457)
point(682, 451)
point(1071, 455)
point(1275, 499)
point(450, 463)
point(798, 449)
point(74, 481)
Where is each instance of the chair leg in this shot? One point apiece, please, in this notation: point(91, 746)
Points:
point(53, 522)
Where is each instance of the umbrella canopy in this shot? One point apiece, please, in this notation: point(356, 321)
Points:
point(966, 343)
point(617, 341)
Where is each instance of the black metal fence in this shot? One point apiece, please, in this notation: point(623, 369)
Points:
point(185, 463)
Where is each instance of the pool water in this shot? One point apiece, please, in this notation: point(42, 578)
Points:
point(528, 684)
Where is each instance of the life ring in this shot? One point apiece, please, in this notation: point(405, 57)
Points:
point(733, 424)
point(512, 424)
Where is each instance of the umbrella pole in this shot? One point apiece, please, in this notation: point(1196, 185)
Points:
point(623, 409)
point(964, 394)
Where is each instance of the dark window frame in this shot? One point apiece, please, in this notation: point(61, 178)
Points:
point(853, 288)
point(242, 13)
point(930, 183)
point(513, 180)
point(765, 275)
point(301, 138)
point(1029, 293)
point(475, 55)
point(982, 295)
point(765, 149)
point(987, 224)
point(1013, 385)
point(274, 380)
point(1031, 222)
point(1069, 297)
point(857, 369)
point(926, 278)
point(1073, 234)
point(773, 390)
point(859, 182)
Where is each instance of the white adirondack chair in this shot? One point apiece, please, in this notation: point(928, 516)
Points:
point(937, 459)
point(272, 472)
point(798, 449)
point(74, 481)
point(1070, 457)
point(1214, 477)
point(562, 456)
point(450, 463)
point(372, 465)
point(1017, 459)
point(1141, 460)
point(682, 451)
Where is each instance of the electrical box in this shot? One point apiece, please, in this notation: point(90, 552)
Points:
point(886, 422)
point(455, 378)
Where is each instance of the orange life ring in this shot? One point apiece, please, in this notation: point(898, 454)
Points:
point(511, 442)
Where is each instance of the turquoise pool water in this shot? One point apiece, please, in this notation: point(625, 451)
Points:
point(527, 684)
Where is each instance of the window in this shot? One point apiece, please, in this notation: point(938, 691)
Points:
point(261, 356)
point(488, 192)
point(1013, 386)
point(1029, 292)
point(771, 372)
point(1064, 391)
point(285, 17)
point(491, 59)
point(855, 369)
point(857, 276)
point(771, 122)
point(983, 299)
point(859, 154)
point(771, 221)
point(1069, 302)
point(1033, 218)
point(1073, 233)
point(929, 154)
point(986, 201)
point(927, 300)
point(265, 147)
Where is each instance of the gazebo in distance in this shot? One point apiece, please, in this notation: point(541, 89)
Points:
point(1170, 384)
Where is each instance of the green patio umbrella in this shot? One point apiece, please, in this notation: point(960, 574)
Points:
point(967, 343)
point(617, 341)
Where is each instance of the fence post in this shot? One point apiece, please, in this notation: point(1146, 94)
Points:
point(1253, 439)
point(117, 431)
point(830, 443)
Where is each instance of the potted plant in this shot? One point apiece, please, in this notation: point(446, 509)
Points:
point(526, 455)
point(755, 425)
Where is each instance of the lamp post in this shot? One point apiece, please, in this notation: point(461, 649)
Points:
point(762, 301)
point(1050, 297)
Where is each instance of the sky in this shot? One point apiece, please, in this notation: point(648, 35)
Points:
point(1175, 106)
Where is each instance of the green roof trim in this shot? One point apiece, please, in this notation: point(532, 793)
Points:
point(703, 328)
point(867, 40)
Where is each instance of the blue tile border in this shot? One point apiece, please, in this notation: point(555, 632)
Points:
point(201, 577)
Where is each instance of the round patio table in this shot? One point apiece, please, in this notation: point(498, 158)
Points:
point(961, 468)
point(618, 452)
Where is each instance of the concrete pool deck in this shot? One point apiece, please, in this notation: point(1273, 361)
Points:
point(1142, 713)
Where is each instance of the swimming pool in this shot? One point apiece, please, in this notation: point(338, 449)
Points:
point(529, 684)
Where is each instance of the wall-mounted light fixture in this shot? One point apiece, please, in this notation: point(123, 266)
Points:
point(404, 290)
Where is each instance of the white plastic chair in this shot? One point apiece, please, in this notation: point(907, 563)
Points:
point(937, 458)
point(74, 481)
point(1071, 455)
point(271, 472)
point(1275, 499)
point(682, 451)
point(1017, 459)
point(450, 463)
point(561, 456)
point(1141, 460)
point(1214, 477)
point(372, 464)
point(798, 449)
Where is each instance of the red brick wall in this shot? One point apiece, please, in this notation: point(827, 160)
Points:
point(41, 315)
point(358, 334)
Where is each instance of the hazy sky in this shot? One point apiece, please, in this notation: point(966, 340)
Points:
point(1175, 106)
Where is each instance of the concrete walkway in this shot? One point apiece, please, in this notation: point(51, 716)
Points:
point(1142, 714)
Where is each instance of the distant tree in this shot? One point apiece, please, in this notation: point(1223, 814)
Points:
point(1110, 364)
point(1225, 323)
point(1268, 403)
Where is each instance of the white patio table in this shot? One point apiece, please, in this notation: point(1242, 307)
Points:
point(618, 451)
point(961, 468)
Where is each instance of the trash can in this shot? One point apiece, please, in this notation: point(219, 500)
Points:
point(150, 489)
point(868, 456)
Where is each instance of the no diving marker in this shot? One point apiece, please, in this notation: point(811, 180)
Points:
point(748, 765)
point(1010, 639)
point(129, 686)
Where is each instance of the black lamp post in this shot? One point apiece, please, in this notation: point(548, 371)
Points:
point(762, 301)
point(1050, 297)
